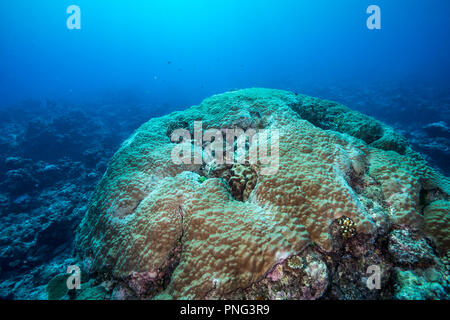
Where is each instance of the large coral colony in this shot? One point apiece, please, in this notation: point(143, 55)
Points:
point(350, 199)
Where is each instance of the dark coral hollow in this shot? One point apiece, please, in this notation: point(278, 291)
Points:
point(349, 197)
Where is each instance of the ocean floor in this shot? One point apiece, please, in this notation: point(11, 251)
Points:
point(54, 154)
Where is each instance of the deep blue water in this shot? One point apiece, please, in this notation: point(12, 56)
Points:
point(179, 52)
point(68, 98)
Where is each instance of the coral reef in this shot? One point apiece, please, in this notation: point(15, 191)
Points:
point(53, 155)
point(155, 229)
point(408, 248)
point(57, 287)
point(420, 284)
point(437, 220)
point(51, 158)
point(418, 110)
point(299, 277)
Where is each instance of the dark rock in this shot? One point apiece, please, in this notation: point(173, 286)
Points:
point(12, 163)
point(437, 129)
point(409, 248)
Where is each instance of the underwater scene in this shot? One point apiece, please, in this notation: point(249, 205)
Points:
point(225, 150)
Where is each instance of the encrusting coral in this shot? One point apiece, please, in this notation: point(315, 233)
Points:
point(437, 220)
point(158, 230)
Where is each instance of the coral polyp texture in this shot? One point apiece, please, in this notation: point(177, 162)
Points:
point(164, 230)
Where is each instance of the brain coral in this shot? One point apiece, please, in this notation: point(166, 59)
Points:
point(162, 232)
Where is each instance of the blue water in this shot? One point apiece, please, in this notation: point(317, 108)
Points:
point(68, 98)
point(182, 51)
